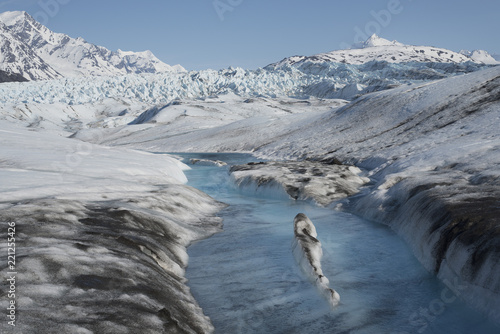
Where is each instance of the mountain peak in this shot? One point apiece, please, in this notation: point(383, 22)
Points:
point(483, 57)
point(378, 49)
point(34, 51)
point(11, 18)
point(374, 41)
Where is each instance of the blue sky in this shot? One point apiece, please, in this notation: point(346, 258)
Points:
point(200, 34)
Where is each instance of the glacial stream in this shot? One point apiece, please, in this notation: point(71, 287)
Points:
point(247, 281)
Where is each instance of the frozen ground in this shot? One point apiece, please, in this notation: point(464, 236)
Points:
point(101, 236)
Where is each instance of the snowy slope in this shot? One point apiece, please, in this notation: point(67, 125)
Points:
point(66, 119)
point(17, 57)
point(56, 55)
point(381, 50)
point(481, 56)
point(432, 152)
point(180, 115)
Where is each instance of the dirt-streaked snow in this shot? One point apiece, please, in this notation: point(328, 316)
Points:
point(101, 233)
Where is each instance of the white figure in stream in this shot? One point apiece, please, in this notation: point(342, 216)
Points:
point(307, 251)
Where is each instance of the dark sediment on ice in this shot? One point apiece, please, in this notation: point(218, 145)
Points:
point(324, 183)
point(109, 266)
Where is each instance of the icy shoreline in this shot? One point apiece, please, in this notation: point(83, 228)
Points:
point(101, 243)
point(452, 227)
point(453, 234)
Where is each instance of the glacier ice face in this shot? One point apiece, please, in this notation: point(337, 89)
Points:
point(324, 80)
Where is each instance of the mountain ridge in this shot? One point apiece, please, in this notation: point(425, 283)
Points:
point(37, 53)
point(376, 48)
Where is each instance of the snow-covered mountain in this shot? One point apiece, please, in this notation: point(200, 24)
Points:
point(480, 56)
point(32, 50)
point(374, 41)
point(17, 57)
point(380, 49)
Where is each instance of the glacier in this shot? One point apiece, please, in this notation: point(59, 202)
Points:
point(416, 141)
point(431, 152)
point(328, 80)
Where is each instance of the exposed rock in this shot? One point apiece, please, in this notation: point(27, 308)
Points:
point(11, 77)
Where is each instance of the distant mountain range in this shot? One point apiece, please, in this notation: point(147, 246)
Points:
point(30, 51)
point(34, 52)
point(380, 49)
